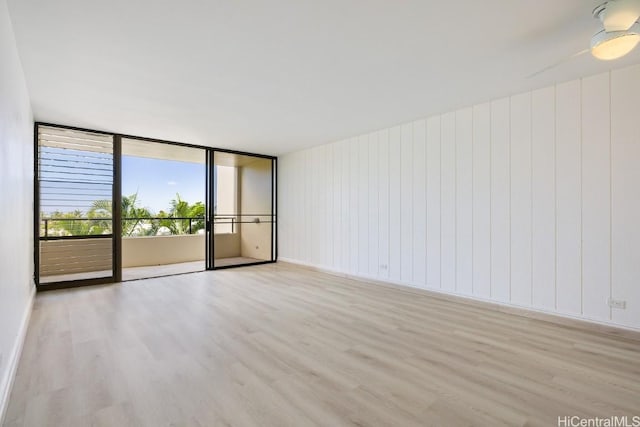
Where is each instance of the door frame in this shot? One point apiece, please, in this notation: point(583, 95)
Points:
point(210, 251)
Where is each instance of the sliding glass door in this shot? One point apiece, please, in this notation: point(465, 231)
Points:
point(110, 207)
point(242, 213)
point(163, 207)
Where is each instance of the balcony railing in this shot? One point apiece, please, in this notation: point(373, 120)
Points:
point(60, 228)
point(82, 227)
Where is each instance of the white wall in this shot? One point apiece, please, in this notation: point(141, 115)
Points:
point(227, 245)
point(255, 202)
point(531, 200)
point(16, 201)
point(162, 250)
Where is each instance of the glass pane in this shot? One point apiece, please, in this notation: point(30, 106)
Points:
point(75, 177)
point(163, 210)
point(243, 223)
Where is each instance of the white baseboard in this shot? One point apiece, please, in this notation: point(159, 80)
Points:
point(531, 312)
point(14, 358)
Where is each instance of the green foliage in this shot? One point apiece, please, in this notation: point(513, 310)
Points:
point(136, 221)
point(72, 224)
point(182, 209)
point(133, 217)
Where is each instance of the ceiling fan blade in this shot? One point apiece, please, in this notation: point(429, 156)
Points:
point(620, 15)
point(560, 62)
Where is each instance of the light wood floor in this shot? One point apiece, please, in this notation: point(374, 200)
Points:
point(275, 345)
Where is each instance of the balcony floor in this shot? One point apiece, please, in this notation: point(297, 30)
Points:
point(239, 260)
point(147, 272)
point(75, 276)
point(136, 273)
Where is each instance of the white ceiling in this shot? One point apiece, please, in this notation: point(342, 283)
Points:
point(279, 75)
point(151, 150)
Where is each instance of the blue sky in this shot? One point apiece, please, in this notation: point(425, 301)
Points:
point(158, 181)
point(72, 180)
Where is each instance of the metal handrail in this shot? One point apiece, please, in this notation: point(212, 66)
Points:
point(234, 219)
point(155, 218)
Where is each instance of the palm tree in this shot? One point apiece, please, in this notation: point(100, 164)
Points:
point(68, 224)
point(197, 210)
point(182, 209)
point(100, 215)
point(132, 215)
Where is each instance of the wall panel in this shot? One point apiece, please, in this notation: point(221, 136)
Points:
point(482, 200)
point(464, 201)
point(596, 197)
point(406, 203)
point(284, 204)
point(329, 219)
point(543, 198)
point(363, 205)
point(568, 205)
point(520, 199)
point(448, 202)
point(337, 211)
point(384, 226)
point(374, 202)
point(500, 203)
point(395, 203)
point(297, 203)
point(433, 203)
point(354, 214)
point(309, 203)
point(419, 201)
point(316, 204)
point(346, 206)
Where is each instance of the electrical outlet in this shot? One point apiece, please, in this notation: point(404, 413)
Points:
point(383, 266)
point(614, 303)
